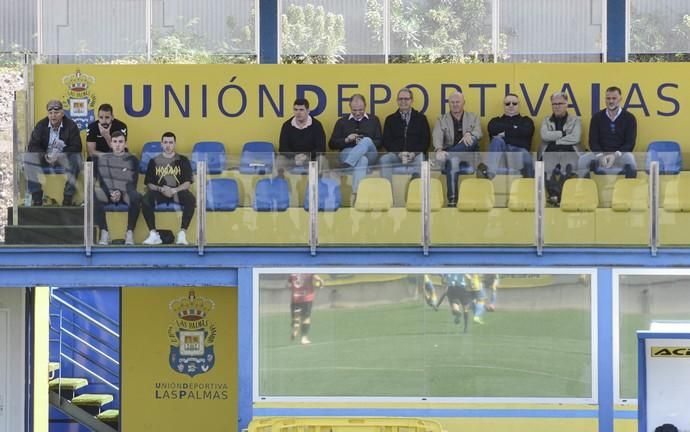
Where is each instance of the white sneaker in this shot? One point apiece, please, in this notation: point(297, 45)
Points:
point(129, 238)
point(153, 239)
point(181, 238)
point(305, 340)
point(105, 238)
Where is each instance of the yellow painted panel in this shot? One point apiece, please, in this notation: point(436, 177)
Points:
point(576, 228)
point(179, 366)
point(622, 228)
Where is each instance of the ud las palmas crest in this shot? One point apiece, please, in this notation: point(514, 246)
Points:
point(80, 101)
point(192, 335)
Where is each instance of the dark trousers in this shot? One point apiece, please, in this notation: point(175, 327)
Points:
point(185, 198)
point(131, 198)
point(34, 163)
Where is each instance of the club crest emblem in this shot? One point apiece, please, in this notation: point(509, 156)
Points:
point(79, 101)
point(191, 335)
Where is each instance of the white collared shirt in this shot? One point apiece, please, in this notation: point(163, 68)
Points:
point(298, 126)
point(618, 112)
point(365, 116)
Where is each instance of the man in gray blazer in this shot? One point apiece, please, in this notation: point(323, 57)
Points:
point(456, 132)
point(560, 136)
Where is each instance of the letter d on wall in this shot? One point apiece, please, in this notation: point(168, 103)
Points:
point(315, 108)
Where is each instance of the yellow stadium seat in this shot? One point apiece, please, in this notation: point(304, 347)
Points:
point(677, 195)
point(476, 195)
point(630, 195)
point(374, 194)
point(414, 195)
point(521, 197)
point(579, 195)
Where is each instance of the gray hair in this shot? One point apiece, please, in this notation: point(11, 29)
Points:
point(560, 94)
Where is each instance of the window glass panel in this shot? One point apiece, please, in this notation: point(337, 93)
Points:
point(203, 32)
point(445, 335)
point(644, 299)
point(659, 30)
point(551, 30)
point(331, 31)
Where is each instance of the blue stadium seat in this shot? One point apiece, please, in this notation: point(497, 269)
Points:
point(213, 152)
point(168, 207)
point(329, 195)
point(222, 195)
point(668, 154)
point(150, 150)
point(272, 195)
point(257, 158)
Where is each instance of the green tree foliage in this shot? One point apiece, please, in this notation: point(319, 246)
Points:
point(435, 31)
point(653, 39)
point(309, 34)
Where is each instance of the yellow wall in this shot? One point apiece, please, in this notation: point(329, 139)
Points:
point(213, 96)
point(156, 397)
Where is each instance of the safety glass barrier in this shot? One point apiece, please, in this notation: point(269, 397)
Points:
point(367, 198)
point(148, 200)
point(49, 193)
point(642, 300)
point(673, 199)
point(596, 199)
point(482, 198)
point(440, 334)
point(257, 198)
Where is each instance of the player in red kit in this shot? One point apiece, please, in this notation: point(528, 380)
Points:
point(303, 288)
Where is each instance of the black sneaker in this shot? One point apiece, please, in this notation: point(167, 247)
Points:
point(37, 199)
point(67, 201)
point(483, 172)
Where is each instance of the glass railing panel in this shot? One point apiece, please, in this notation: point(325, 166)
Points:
point(596, 199)
point(147, 202)
point(50, 188)
point(470, 196)
point(376, 202)
point(259, 199)
point(673, 199)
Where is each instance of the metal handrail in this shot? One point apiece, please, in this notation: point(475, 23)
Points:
point(91, 335)
point(85, 342)
point(84, 368)
point(82, 303)
point(87, 317)
point(73, 353)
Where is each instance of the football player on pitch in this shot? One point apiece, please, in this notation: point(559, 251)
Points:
point(303, 288)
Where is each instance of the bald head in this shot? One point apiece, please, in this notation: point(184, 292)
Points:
point(456, 103)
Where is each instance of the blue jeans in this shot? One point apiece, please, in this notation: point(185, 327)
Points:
point(625, 162)
point(452, 166)
point(359, 158)
point(390, 160)
point(498, 148)
point(35, 162)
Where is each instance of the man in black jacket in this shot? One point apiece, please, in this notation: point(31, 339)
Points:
point(612, 135)
point(357, 136)
point(302, 139)
point(406, 136)
point(55, 142)
point(510, 133)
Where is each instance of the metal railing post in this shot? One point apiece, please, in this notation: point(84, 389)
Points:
point(539, 205)
point(654, 207)
point(313, 206)
point(88, 207)
point(426, 207)
point(201, 206)
point(16, 156)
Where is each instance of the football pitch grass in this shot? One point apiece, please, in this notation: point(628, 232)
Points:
point(409, 350)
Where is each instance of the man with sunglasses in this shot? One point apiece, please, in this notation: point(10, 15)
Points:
point(510, 133)
point(612, 135)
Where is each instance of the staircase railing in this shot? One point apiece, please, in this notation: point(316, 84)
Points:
point(99, 361)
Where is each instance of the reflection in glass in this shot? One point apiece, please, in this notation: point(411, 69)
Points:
point(417, 335)
point(644, 299)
